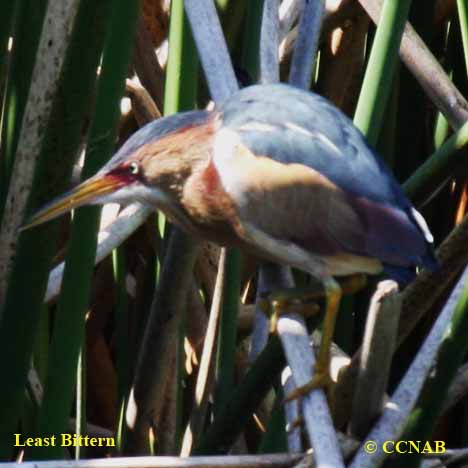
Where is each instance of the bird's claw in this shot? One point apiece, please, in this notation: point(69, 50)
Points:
point(280, 303)
point(295, 424)
point(320, 380)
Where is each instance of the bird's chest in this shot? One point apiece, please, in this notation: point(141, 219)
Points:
point(209, 207)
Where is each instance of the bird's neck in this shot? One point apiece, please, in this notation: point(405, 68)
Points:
point(179, 156)
point(172, 161)
point(208, 206)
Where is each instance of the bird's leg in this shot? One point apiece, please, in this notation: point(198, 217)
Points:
point(333, 293)
point(288, 301)
point(322, 377)
point(304, 300)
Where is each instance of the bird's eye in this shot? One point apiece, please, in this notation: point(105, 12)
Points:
point(134, 168)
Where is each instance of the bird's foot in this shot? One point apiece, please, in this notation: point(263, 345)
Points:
point(304, 301)
point(295, 424)
point(320, 380)
point(289, 301)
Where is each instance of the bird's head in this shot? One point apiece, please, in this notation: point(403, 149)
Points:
point(152, 168)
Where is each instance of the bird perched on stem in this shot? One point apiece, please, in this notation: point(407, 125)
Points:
point(277, 171)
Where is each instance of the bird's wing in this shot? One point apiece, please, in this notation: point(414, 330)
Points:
point(294, 203)
point(289, 126)
point(292, 126)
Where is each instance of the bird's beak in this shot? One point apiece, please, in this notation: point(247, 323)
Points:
point(86, 193)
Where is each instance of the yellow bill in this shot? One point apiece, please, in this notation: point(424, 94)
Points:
point(82, 194)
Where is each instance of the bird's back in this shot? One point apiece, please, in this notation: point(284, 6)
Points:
point(292, 126)
point(303, 127)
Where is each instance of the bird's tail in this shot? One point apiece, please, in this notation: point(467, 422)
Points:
point(404, 275)
point(430, 262)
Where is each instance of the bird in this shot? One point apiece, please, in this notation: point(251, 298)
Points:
point(280, 173)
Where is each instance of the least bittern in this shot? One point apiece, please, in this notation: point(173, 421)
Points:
point(276, 171)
